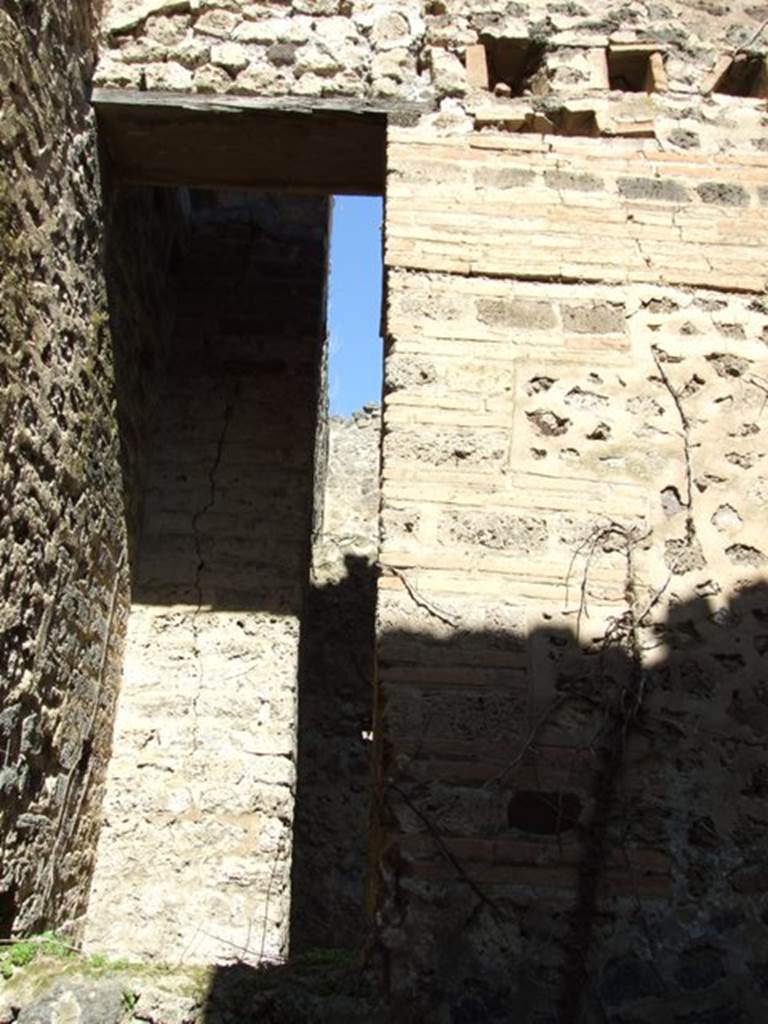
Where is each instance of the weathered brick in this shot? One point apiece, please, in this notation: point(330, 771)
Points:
point(580, 182)
point(503, 177)
point(597, 318)
point(530, 315)
point(723, 193)
point(494, 530)
point(661, 190)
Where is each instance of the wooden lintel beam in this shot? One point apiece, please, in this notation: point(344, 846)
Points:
point(225, 142)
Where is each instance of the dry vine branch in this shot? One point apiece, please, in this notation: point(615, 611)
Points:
point(599, 536)
point(685, 423)
point(446, 852)
point(419, 599)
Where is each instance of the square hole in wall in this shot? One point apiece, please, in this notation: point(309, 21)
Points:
point(507, 66)
point(636, 69)
point(744, 75)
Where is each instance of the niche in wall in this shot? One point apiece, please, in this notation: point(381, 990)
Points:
point(636, 68)
point(507, 66)
point(741, 75)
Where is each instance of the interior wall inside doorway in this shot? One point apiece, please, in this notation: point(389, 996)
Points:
point(219, 426)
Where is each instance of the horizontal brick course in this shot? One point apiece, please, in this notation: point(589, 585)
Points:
point(548, 311)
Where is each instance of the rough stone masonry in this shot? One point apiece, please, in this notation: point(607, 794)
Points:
point(570, 689)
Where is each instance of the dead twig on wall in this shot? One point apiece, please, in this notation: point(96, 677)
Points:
point(529, 743)
point(446, 852)
point(751, 42)
point(658, 357)
point(419, 599)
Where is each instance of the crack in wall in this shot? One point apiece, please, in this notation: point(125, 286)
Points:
point(200, 566)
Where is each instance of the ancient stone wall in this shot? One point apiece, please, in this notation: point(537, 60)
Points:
point(336, 695)
point(145, 237)
point(63, 570)
point(195, 854)
point(571, 710)
point(574, 67)
point(570, 725)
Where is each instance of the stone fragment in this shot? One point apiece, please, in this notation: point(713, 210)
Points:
point(168, 77)
point(117, 74)
point(121, 21)
point(143, 51)
point(266, 31)
point(348, 83)
point(211, 79)
point(476, 61)
point(723, 193)
point(526, 313)
point(334, 32)
point(583, 399)
point(77, 1003)
point(684, 555)
point(391, 29)
point(581, 182)
point(727, 519)
point(394, 64)
point(503, 177)
point(310, 85)
point(595, 318)
point(496, 530)
point(745, 554)
point(217, 23)
point(655, 189)
point(671, 502)
point(447, 73)
point(507, 116)
point(547, 423)
point(191, 53)
point(684, 138)
point(167, 30)
point(259, 78)
point(727, 365)
point(316, 7)
point(309, 59)
point(230, 56)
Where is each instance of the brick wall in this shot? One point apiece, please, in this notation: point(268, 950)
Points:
point(570, 711)
point(62, 543)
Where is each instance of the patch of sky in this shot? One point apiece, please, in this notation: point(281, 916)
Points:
point(354, 306)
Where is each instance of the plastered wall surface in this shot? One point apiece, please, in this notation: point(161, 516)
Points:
point(195, 854)
point(63, 567)
point(573, 596)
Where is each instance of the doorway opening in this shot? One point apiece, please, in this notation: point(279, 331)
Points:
point(215, 808)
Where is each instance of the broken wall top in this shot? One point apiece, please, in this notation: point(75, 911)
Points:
point(692, 74)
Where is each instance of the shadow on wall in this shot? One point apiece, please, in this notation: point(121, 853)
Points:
point(218, 412)
point(331, 817)
point(217, 306)
point(576, 838)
